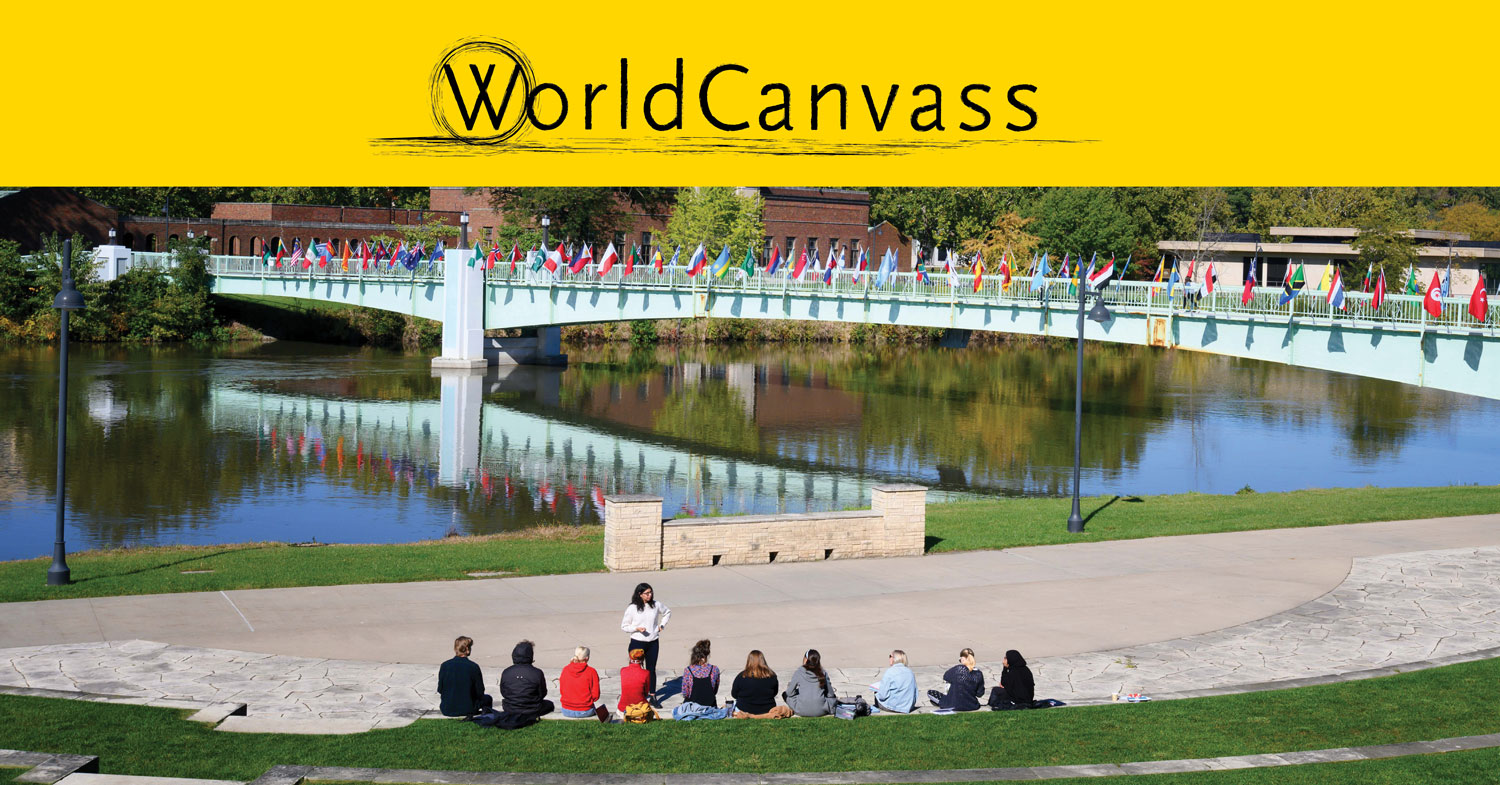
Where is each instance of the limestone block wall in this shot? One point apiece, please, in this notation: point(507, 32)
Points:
point(637, 538)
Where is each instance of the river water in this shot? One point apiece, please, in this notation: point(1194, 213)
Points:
point(298, 442)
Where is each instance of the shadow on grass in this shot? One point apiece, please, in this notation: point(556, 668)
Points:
point(930, 543)
point(178, 563)
point(1112, 500)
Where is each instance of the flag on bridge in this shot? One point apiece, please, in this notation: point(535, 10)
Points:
point(364, 255)
point(1336, 290)
point(296, 251)
point(698, 260)
point(1479, 301)
point(747, 267)
point(515, 256)
point(1377, 299)
point(1432, 302)
point(344, 259)
point(1249, 285)
point(1292, 285)
point(1004, 272)
point(978, 269)
point(1364, 286)
point(1210, 279)
point(1098, 279)
point(774, 263)
point(721, 262)
point(607, 261)
point(1448, 281)
point(1412, 286)
point(1172, 279)
point(631, 258)
point(1326, 281)
point(887, 266)
point(1038, 281)
point(1156, 279)
point(584, 258)
point(862, 265)
point(265, 254)
point(800, 267)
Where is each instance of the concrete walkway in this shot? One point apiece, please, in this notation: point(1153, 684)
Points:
point(1160, 616)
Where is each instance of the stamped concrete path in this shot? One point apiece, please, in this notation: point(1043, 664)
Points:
point(1164, 616)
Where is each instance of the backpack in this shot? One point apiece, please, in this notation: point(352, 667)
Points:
point(849, 708)
point(640, 712)
point(487, 718)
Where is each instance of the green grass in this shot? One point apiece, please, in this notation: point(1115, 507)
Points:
point(1457, 700)
point(1012, 523)
point(954, 526)
point(266, 565)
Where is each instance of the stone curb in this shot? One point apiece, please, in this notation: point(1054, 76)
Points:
point(46, 767)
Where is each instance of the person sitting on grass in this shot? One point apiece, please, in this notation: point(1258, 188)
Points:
point(700, 682)
point(897, 689)
point(523, 690)
point(1017, 688)
point(635, 681)
point(578, 688)
point(755, 689)
point(461, 684)
point(965, 685)
point(810, 692)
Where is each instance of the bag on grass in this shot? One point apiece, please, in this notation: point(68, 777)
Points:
point(640, 712)
point(849, 708)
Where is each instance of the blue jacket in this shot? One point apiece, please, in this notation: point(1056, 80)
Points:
point(696, 711)
point(898, 689)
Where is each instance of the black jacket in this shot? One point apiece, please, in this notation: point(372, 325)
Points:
point(1017, 680)
point(461, 685)
point(522, 686)
point(965, 688)
point(755, 696)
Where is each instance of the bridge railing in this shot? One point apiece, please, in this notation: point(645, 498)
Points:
point(255, 267)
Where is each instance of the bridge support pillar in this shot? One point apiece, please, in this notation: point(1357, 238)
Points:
point(462, 398)
point(463, 313)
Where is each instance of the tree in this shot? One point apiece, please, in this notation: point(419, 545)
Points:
point(1009, 237)
point(1384, 244)
point(947, 217)
point(715, 216)
point(1471, 218)
point(577, 214)
point(1082, 221)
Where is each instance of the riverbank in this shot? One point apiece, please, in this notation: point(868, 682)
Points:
point(954, 526)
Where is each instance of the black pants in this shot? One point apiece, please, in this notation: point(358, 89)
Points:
point(650, 648)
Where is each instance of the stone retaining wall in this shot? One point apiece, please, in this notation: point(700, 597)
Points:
point(636, 537)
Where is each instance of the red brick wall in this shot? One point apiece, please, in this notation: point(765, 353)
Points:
point(31, 212)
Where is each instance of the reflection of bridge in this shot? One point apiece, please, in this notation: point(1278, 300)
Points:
point(1401, 342)
point(462, 433)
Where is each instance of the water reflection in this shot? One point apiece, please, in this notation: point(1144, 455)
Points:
point(296, 442)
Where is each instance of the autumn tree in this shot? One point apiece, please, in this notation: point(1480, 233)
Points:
point(1008, 237)
point(715, 216)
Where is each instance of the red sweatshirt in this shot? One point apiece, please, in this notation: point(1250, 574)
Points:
point(579, 686)
point(634, 684)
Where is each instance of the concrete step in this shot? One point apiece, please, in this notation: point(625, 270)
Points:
point(309, 725)
point(131, 779)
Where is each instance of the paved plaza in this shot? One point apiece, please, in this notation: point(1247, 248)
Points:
point(1167, 617)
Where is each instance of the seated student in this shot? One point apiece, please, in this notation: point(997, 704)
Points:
point(897, 689)
point(755, 689)
point(965, 685)
point(461, 684)
point(1017, 688)
point(810, 692)
point(578, 688)
point(700, 682)
point(635, 680)
point(523, 690)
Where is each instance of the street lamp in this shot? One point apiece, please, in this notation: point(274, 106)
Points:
point(111, 236)
point(546, 222)
point(1096, 314)
point(67, 300)
point(463, 229)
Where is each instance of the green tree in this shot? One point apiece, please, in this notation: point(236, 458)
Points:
point(715, 216)
point(947, 217)
point(1471, 218)
point(577, 214)
point(1083, 220)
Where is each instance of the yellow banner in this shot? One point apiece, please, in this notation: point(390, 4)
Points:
point(661, 94)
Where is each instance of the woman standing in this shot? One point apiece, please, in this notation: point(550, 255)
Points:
point(644, 619)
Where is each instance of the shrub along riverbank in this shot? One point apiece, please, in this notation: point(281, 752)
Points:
point(966, 525)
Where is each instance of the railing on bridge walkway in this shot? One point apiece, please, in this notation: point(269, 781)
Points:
point(1398, 310)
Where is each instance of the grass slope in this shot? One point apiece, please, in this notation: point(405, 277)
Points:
point(1457, 700)
point(954, 526)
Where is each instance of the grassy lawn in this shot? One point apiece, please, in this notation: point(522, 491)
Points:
point(954, 526)
point(1457, 700)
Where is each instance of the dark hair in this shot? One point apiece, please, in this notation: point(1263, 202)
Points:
point(756, 666)
point(635, 599)
point(700, 653)
point(813, 662)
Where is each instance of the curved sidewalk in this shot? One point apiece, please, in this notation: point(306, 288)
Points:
point(1205, 612)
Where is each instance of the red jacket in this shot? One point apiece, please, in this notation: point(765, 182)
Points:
point(634, 684)
point(579, 686)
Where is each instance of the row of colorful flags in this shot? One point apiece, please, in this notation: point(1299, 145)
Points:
point(1097, 276)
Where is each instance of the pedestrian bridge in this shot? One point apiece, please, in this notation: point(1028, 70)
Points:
point(1401, 342)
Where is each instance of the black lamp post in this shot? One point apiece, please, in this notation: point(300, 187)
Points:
point(463, 229)
point(546, 222)
point(1096, 314)
point(67, 300)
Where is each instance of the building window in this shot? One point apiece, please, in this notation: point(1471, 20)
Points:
point(854, 247)
point(791, 244)
point(234, 246)
point(645, 239)
point(619, 240)
point(812, 246)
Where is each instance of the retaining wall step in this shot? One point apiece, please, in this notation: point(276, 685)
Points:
point(131, 779)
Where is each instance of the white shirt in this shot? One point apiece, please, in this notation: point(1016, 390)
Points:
point(653, 618)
